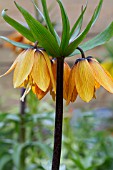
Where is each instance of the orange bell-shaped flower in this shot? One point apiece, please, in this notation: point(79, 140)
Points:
point(32, 70)
point(86, 76)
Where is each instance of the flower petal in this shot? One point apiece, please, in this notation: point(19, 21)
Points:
point(102, 76)
point(39, 93)
point(71, 86)
point(52, 93)
point(23, 67)
point(84, 80)
point(50, 70)
point(66, 78)
point(74, 95)
point(97, 85)
point(40, 72)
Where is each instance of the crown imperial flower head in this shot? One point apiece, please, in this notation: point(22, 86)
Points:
point(32, 70)
point(86, 76)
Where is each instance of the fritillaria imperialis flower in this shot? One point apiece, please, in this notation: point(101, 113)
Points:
point(32, 70)
point(86, 76)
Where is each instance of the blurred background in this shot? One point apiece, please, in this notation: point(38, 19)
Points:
point(88, 128)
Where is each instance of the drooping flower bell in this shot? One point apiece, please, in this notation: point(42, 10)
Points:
point(32, 70)
point(86, 76)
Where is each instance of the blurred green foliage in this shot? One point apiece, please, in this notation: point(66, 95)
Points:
point(86, 144)
point(86, 147)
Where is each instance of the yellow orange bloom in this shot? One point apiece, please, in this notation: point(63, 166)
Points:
point(32, 70)
point(67, 70)
point(38, 92)
point(85, 77)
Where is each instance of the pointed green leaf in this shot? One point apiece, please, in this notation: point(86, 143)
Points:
point(18, 150)
point(4, 160)
point(41, 34)
point(81, 37)
point(65, 29)
point(48, 21)
point(17, 44)
point(98, 40)
point(20, 28)
point(109, 47)
point(77, 26)
point(44, 147)
point(38, 10)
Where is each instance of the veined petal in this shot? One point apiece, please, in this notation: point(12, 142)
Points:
point(102, 76)
point(66, 78)
point(50, 70)
point(23, 67)
point(40, 72)
point(52, 93)
point(54, 69)
point(71, 86)
point(38, 92)
point(97, 85)
point(74, 95)
point(84, 80)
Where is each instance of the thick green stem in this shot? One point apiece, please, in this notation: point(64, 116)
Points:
point(22, 130)
point(59, 116)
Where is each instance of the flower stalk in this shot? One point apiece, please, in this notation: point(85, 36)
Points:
point(81, 51)
point(22, 129)
point(59, 115)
